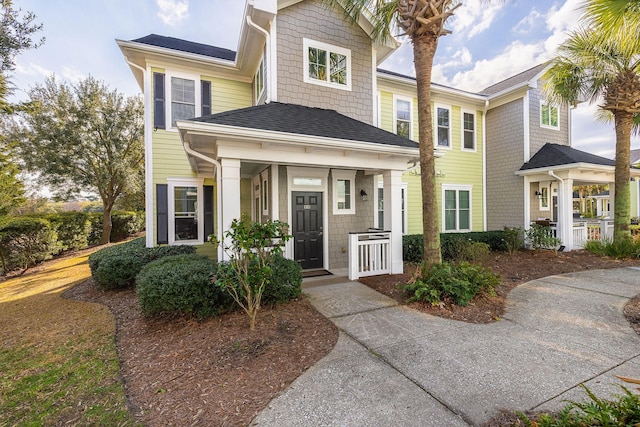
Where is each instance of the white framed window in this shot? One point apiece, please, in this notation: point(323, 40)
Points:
point(183, 97)
point(186, 211)
point(456, 208)
point(442, 126)
point(468, 131)
point(258, 81)
point(402, 112)
point(379, 203)
point(544, 196)
point(257, 198)
point(344, 191)
point(549, 115)
point(264, 178)
point(326, 65)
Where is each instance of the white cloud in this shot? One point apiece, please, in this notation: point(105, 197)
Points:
point(472, 18)
point(528, 23)
point(31, 69)
point(173, 12)
point(72, 74)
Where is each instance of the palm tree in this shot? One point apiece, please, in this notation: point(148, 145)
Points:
point(422, 21)
point(591, 66)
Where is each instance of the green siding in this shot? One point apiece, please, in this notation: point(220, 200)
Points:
point(386, 107)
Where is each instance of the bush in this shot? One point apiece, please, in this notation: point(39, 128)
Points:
point(124, 225)
point(181, 284)
point(285, 283)
point(513, 239)
point(451, 283)
point(606, 247)
point(72, 229)
point(26, 241)
point(116, 267)
point(452, 245)
point(95, 228)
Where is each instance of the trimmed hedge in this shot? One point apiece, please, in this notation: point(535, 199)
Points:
point(116, 267)
point(25, 241)
point(123, 225)
point(285, 283)
point(453, 245)
point(181, 284)
point(72, 229)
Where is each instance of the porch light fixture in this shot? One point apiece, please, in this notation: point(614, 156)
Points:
point(538, 194)
point(363, 194)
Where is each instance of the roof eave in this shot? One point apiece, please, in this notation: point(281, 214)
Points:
point(569, 166)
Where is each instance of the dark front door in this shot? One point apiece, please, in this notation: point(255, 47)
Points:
point(307, 228)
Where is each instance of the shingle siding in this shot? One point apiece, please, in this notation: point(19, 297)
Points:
point(313, 20)
point(538, 135)
point(505, 155)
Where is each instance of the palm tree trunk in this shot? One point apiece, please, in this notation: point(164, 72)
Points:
point(424, 50)
point(622, 214)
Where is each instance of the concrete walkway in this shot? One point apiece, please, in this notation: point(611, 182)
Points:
point(393, 366)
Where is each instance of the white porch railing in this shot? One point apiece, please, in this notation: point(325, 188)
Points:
point(369, 254)
point(585, 230)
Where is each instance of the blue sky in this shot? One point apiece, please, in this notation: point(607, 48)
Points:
point(490, 42)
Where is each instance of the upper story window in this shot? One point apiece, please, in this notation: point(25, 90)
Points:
point(179, 96)
point(327, 65)
point(549, 115)
point(468, 131)
point(443, 127)
point(344, 183)
point(403, 114)
point(258, 81)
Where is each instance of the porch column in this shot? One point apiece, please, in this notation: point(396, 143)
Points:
point(612, 200)
point(230, 192)
point(565, 213)
point(392, 182)
point(527, 203)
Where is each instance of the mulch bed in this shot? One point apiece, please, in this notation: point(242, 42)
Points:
point(180, 371)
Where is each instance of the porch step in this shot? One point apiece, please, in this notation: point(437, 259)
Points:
point(312, 282)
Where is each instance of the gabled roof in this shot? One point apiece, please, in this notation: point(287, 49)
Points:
point(556, 155)
point(187, 46)
point(300, 120)
point(635, 156)
point(513, 81)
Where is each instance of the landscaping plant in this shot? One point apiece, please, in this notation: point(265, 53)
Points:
point(541, 237)
point(251, 246)
point(513, 238)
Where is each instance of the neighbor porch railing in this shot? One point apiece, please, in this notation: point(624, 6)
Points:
point(586, 230)
point(369, 253)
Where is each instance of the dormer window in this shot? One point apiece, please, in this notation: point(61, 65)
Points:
point(327, 65)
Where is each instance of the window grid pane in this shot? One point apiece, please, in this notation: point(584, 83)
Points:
point(344, 193)
point(185, 213)
point(338, 68)
point(183, 99)
point(469, 131)
point(443, 127)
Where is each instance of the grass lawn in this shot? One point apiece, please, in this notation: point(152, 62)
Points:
point(57, 357)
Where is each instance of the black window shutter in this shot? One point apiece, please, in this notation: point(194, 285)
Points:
point(158, 101)
point(208, 211)
point(162, 213)
point(206, 97)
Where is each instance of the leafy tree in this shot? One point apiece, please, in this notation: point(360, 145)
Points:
point(11, 187)
point(85, 137)
point(15, 36)
point(422, 21)
point(595, 66)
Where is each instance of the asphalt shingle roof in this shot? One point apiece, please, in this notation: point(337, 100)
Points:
point(298, 119)
point(187, 46)
point(523, 77)
point(557, 155)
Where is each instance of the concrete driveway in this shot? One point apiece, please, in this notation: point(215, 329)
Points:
point(393, 366)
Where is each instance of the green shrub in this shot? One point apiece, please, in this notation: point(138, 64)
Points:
point(181, 284)
point(451, 283)
point(541, 237)
point(412, 248)
point(285, 282)
point(124, 225)
point(513, 239)
point(26, 241)
point(95, 228)
point(452, 245)
point(622, 411)
point(72, 229)
point(606, 247)
point(116, 267)
point(475, 252)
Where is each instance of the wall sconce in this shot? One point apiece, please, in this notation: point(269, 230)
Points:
point(363, 194)
point(538, 194)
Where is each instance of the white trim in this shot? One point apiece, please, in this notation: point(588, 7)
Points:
point(435, 127)
point(169, 75)
point(526, 221)
point(272, 75)
point(379, 110)
point(185, 182)
point(484, 170)
point(405, 216)
point(475, 130)
point(301, 172)
point(527, 132)
point(544, 102)
point(541, 187)
point(256, 194)
point(275, 199)
point(346, 175)
point(457, 188)
point(148, 161)
point(397, 98)
point(308, 43)
point(264, 188)
point(261, 68)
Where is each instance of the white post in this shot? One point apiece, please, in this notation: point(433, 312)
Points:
point(230, 192)
point(275, 193)
point(353, 257)
point(392, 182)
point(612, 198)
point(565, 213)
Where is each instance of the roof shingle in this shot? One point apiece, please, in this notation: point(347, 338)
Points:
point(301, 120)
point(557, 155)
point(516, 80)
point(187, 46)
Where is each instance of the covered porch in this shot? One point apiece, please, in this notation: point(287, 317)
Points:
point(549, 181)
point(314, 169)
